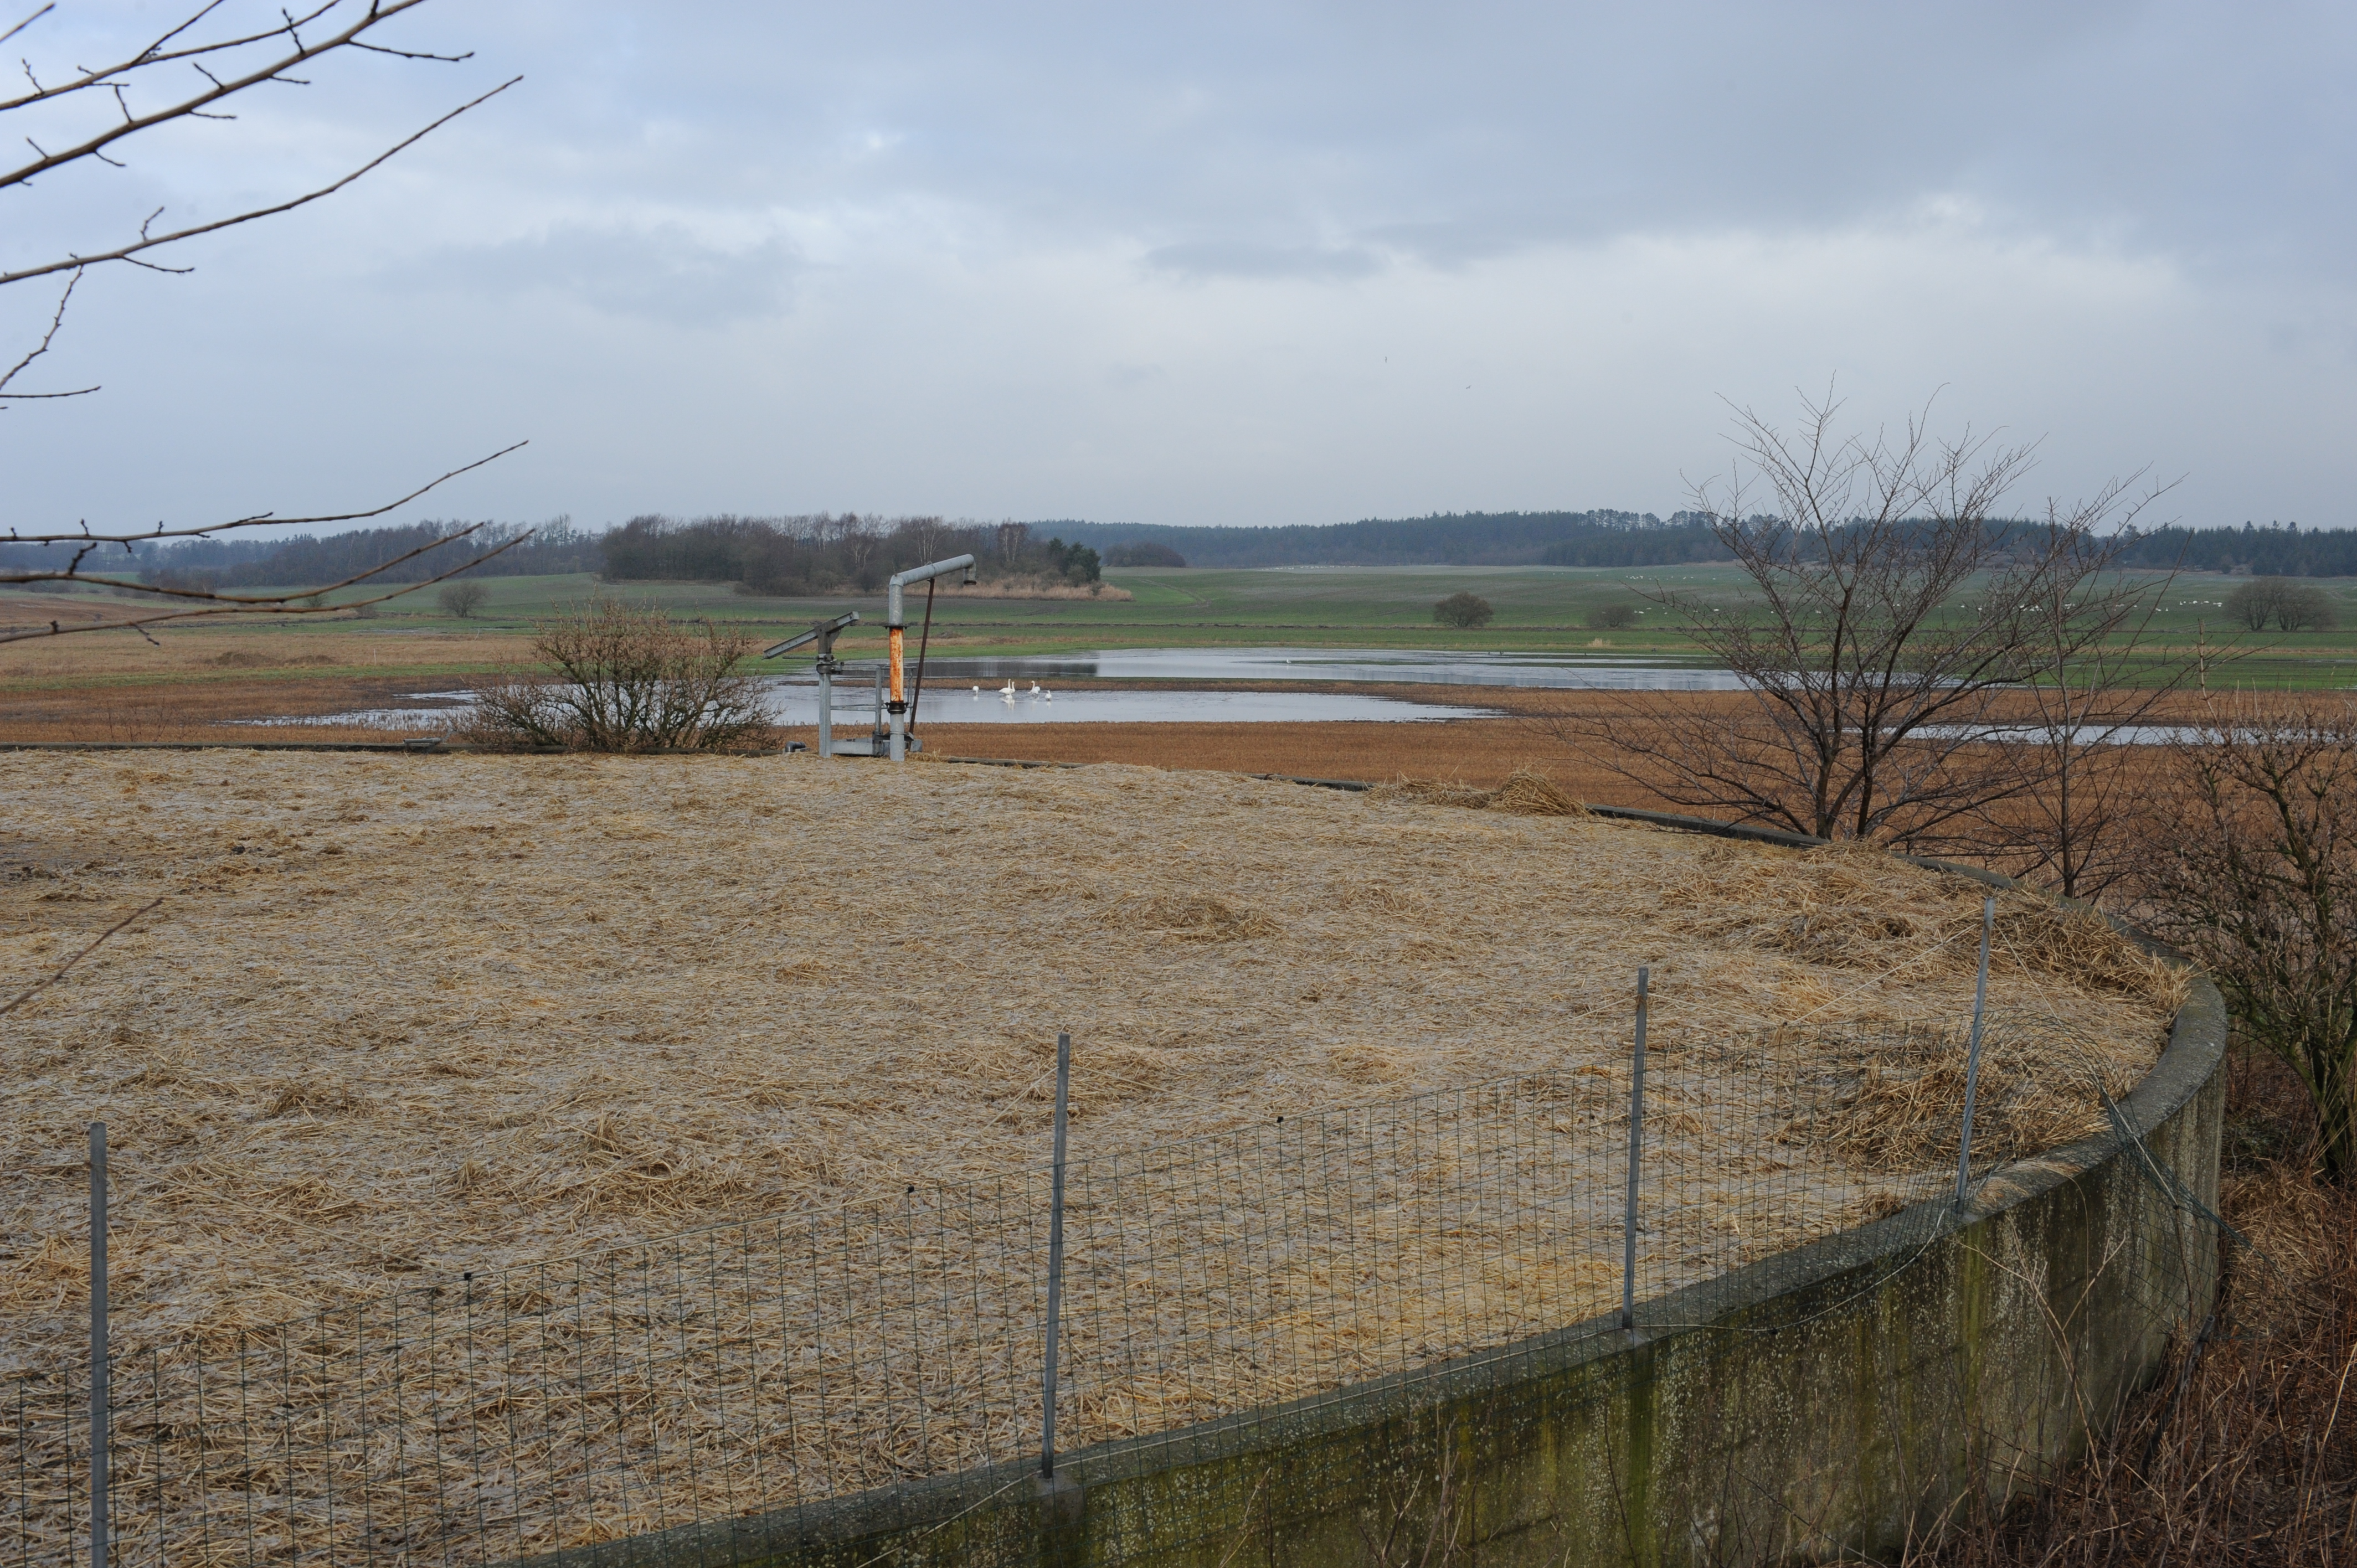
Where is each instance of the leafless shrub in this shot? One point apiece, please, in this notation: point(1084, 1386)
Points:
point(1611, 618)
point(2261, 888)
point(623, 677)
point(462, 599)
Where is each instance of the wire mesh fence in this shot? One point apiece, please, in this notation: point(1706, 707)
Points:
point(760, 1367)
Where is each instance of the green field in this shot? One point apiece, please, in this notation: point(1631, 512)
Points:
point(1538, 609)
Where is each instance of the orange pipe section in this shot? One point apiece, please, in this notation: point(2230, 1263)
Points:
point(899, 689)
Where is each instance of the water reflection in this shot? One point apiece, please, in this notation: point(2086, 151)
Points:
point(952, 696)
point(796, 702)
point(1569, 671)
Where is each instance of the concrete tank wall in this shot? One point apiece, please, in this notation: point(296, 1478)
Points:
point(1836, 1400)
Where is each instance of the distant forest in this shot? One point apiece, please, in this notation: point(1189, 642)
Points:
point(306, 561)
point(823, 552)
point(2276, 551)
point(1629, 539)
point(1451, 539)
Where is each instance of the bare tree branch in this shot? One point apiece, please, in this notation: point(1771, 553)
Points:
point(209, 602)
point(284, 48)
point(38, 16)
point(2096, 677)
point(287, 604)
point(255, 520)
point(73, 574)
point(156, 54)
point(57, 319)
point(146, 242)
point(59, 972)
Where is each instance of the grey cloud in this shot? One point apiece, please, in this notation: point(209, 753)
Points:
point(995, 198)
point(1230, 258)
point(2214, 134)
point(661, 273)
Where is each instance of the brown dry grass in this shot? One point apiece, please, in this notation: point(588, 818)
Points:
point(199, 684)
point(1526, 792)
point(2245, 1450)
point(193, 689)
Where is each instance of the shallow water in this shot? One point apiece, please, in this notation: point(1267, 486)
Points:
point(952, 699)
point(1567, 671)
point(795, 702)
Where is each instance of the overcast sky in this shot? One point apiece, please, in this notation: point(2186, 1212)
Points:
point(1252, 263)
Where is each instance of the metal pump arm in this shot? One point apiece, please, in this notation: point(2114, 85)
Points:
point(820, 632)
point(895, 626)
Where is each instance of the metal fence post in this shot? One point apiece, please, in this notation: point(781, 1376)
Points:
point(1055, 1263)
point(1636, 1151)
point(1972, 1052)
point(101, 1415)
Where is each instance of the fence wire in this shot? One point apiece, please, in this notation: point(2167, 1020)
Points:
point(755, 1369)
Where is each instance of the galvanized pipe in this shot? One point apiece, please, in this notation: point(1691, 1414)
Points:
point(826, 707)
point(1973, 1053)
point(101, 1412)
point(1055, 1261)
point(1636, 1154)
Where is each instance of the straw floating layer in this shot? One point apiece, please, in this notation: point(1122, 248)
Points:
point(401, 1017)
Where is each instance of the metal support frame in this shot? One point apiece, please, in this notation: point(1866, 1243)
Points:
point(896, 626)
point(824, 633)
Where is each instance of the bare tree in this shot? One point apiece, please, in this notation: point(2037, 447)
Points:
point(2260, 887)
point(2075, 809)
point(2293, 607)
point(626, 679)
point(1892, 610)
point(91, 115)
point(861, 543)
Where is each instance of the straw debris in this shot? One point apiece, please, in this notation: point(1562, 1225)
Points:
point(1525, 793)
point(1194, 918)
point(541, 1005)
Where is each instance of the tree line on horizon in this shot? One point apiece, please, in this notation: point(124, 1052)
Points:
point(822, 552)
point(1600, 538)
point(1620, 539)
point(825, 552)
